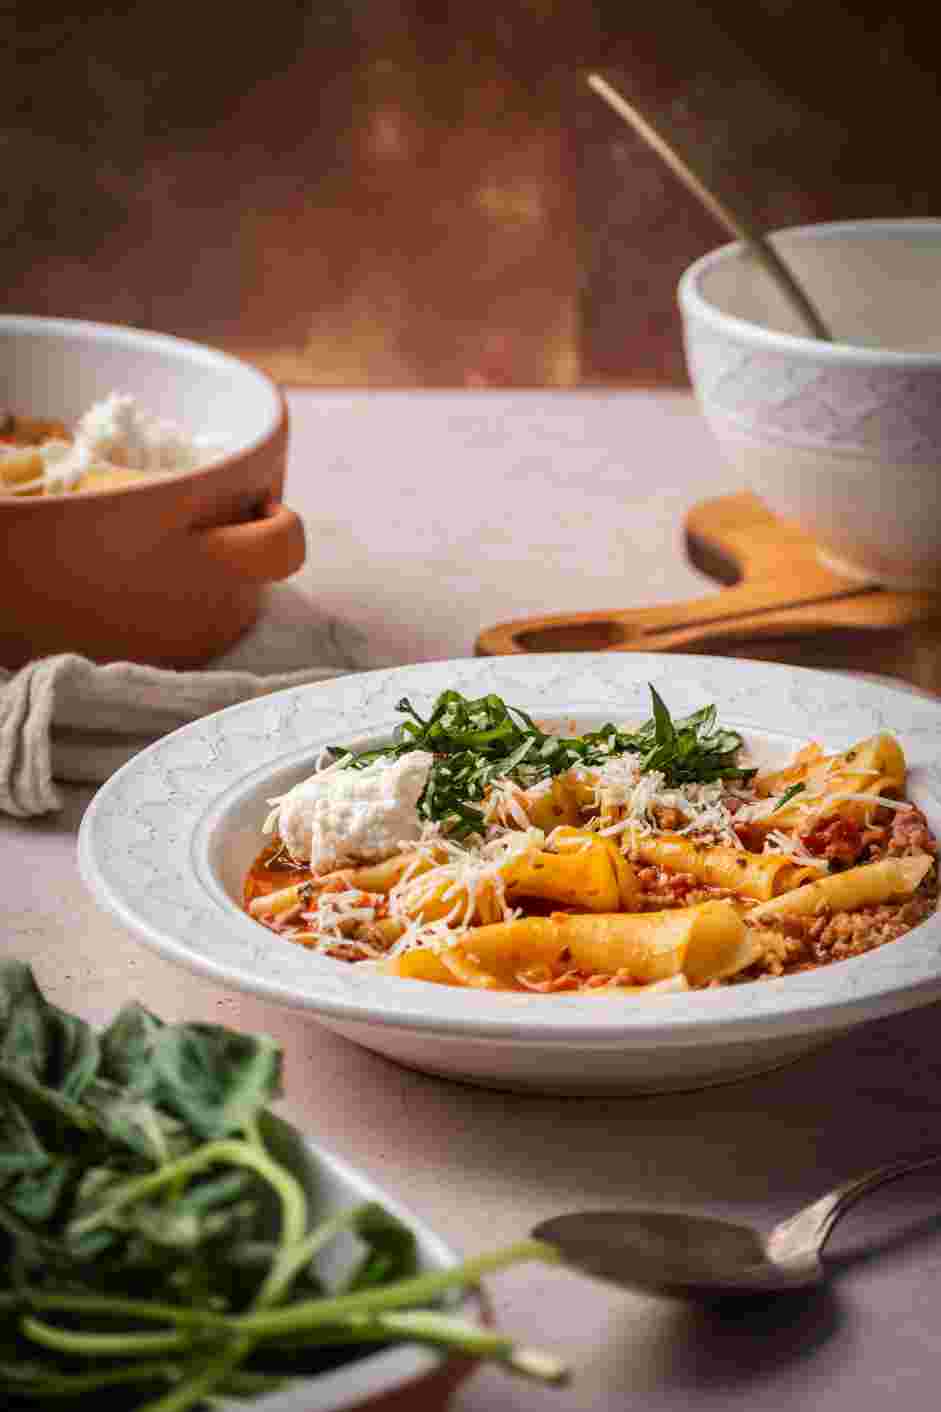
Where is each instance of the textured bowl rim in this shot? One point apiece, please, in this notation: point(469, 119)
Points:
point(184, 350)
point(177, 791)
point(694, 304)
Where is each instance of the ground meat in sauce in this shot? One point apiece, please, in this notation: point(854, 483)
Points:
point(911, 834)
point(346, 951)
point(791, 944)
point(663, 889)
point(843, 842)
point(837, 840)
point(806, 943)
point(748, 836)
point(542, 983)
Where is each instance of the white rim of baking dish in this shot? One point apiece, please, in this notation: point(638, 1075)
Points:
point(146, 840)
point(694, 304)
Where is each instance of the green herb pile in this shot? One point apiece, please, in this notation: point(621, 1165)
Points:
point(159, 1229)
point(477, 742)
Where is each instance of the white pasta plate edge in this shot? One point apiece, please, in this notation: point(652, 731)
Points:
point(163, 842)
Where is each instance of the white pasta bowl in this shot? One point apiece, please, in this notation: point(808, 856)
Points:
point(166, 842)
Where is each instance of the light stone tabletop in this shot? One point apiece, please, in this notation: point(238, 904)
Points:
point(429, 516)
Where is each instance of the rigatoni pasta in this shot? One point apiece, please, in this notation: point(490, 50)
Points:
point(851, 785)
point(754, 875)
point(866, 886)
point(703, 943)
point(480, 850)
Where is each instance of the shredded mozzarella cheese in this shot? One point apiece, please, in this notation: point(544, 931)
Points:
point(839, 795)
point(467, 871)
point(778, 842)
point(506, 803)
point(627, 800)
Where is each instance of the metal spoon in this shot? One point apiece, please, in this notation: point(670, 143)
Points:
point(696, 1257)
point(735, 221)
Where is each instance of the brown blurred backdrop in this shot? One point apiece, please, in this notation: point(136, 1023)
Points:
point(408, 193)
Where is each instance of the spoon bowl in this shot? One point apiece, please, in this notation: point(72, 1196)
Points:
point(697, 1257)
point(670, 1252)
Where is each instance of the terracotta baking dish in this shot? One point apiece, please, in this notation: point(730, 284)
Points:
point(171, 570)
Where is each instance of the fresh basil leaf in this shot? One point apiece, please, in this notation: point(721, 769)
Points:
point(212, 1078)
point(663, 724)
point(127, 1049)
point(94, 1204)
point(134, 1122)
point(20, 1147)
point(75, 1054)
point(45, 1105)
point(476, 741)
point(37, 1196)
point(216, 1079)
point(788, 795)
point(391, 1249)
point(24, 1039)
point(57, 1049)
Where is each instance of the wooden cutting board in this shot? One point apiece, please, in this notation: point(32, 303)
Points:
point(782, 603)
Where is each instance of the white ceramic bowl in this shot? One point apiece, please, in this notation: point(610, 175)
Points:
point(844, 437)
point(166, 842)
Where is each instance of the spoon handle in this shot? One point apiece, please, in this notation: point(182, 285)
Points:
point(735, 222)
point(810, 1228)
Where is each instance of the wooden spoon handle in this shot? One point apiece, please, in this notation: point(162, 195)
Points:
point(723, 618)
point(780, 589)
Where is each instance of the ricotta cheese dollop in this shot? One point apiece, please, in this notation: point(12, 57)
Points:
point(118, 431)
point(341, 816)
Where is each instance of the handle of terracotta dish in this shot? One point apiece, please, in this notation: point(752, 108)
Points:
point(263, 550)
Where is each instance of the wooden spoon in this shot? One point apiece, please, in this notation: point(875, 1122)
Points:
point(737, 224)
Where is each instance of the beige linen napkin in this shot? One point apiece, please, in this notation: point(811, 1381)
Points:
point(64, 718)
